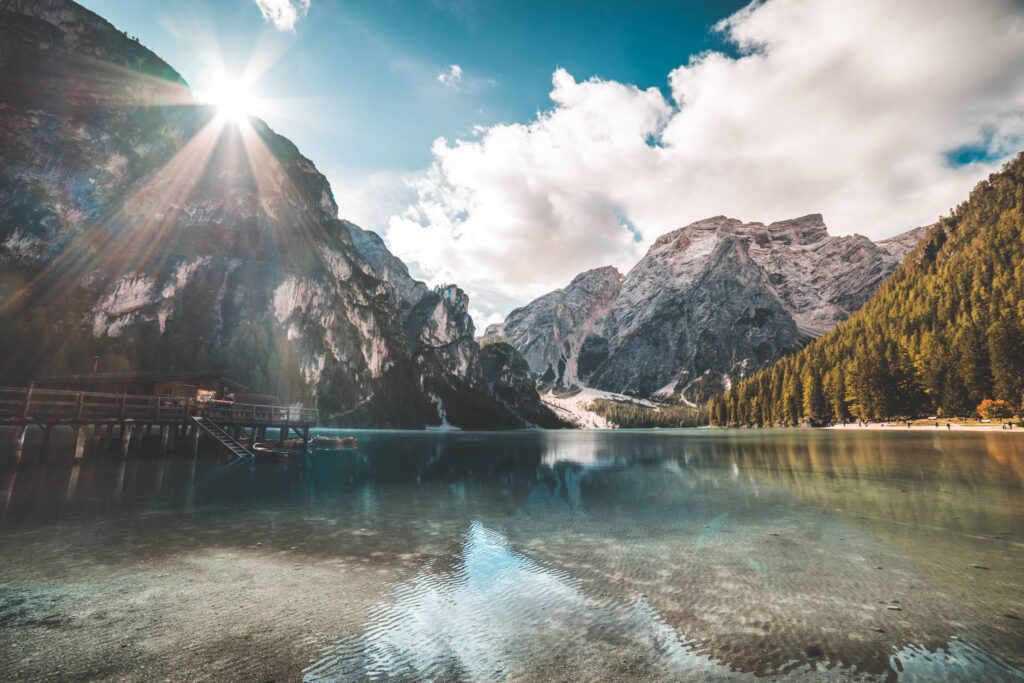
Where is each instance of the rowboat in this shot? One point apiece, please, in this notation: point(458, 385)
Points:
point(335, 442)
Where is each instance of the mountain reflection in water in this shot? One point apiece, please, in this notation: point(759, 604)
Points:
point(649, 555)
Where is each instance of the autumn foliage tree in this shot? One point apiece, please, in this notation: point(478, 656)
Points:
point(994, 409)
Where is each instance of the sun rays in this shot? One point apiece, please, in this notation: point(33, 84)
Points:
point(217, 177)
point(233, 97)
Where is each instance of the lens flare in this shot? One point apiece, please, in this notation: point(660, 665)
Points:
point(233, 99)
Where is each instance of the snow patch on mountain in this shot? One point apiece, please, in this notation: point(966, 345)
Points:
point(575, 408)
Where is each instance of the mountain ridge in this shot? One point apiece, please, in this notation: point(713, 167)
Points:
point(708, 303)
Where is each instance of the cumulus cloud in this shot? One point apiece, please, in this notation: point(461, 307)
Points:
point(451, 76)
point(369, 200)
point(283, 14)
point(865, 112)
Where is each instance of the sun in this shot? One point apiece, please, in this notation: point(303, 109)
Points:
point(233, 99)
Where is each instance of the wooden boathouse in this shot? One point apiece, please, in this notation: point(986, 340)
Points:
point(180, 405)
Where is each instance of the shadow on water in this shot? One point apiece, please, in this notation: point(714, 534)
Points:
point(653, 555)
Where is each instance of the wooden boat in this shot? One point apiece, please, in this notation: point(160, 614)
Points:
point(292, 447)
point(271, 451)
point(335, 442)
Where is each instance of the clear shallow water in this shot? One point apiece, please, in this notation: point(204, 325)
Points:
point(634, 555)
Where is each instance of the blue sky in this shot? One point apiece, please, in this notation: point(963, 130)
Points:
point(509, 145)
point(357, 79)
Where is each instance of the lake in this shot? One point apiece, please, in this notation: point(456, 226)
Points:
point(535, 556)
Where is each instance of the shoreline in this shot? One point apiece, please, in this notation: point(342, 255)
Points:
point(931, 426)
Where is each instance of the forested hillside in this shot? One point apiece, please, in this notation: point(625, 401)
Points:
point(943, 333)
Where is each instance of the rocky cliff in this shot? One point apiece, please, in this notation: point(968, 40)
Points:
point(552, 332)
point(144, 229)
point(708, 303)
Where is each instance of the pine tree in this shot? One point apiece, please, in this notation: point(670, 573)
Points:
point(1006, 354)
point(815, 410)
point(835, 392)
point(792, 395)
point(972, 367)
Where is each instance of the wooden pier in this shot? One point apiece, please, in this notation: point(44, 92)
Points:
point(48, 408)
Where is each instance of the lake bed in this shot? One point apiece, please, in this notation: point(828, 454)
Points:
point(572, 555)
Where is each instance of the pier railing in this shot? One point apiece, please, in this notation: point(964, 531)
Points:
point(20, 406)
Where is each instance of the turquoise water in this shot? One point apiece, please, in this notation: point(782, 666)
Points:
point(624, 555)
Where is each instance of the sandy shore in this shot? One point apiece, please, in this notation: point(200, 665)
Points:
point(931, 425)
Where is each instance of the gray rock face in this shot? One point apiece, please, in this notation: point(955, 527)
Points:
point(555, 332)
point(509, 379)
point(707, 304)
point(143, 229)
point(385, 266)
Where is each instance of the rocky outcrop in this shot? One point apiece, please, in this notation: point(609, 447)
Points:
point(708, 303)
point(509, 379)
point(556, 333)
point(141, 228)
point(385, 266)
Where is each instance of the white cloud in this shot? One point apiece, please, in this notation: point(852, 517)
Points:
point(283, 14)
point(482, 319)
point(451, 76)
point(370, 199)
point(847, 109)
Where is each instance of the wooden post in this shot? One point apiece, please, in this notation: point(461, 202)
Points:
point(119, 487)
point(28, 402)
point(195, 439)
point(79, 402)
point(69, 495)
point(283, 434)
point(19, 440)
point(47, 433)
point(165, 432)
point(108, 432)
point(126, 439)
point(138, 434)
point(79, 436)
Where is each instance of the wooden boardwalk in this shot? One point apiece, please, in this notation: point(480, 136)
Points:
point(20, 407)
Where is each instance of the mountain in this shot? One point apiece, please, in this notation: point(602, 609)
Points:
point(551, 331)
point(943, 333)
point(147, 231)
point(708, 304)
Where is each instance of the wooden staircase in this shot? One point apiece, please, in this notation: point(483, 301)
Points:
point(211, 429)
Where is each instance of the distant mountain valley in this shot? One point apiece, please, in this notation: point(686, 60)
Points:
point(707, 305)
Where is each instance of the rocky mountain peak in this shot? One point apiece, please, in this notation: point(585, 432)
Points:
point(708, 303)
point(805, 230)
point(596, 278)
